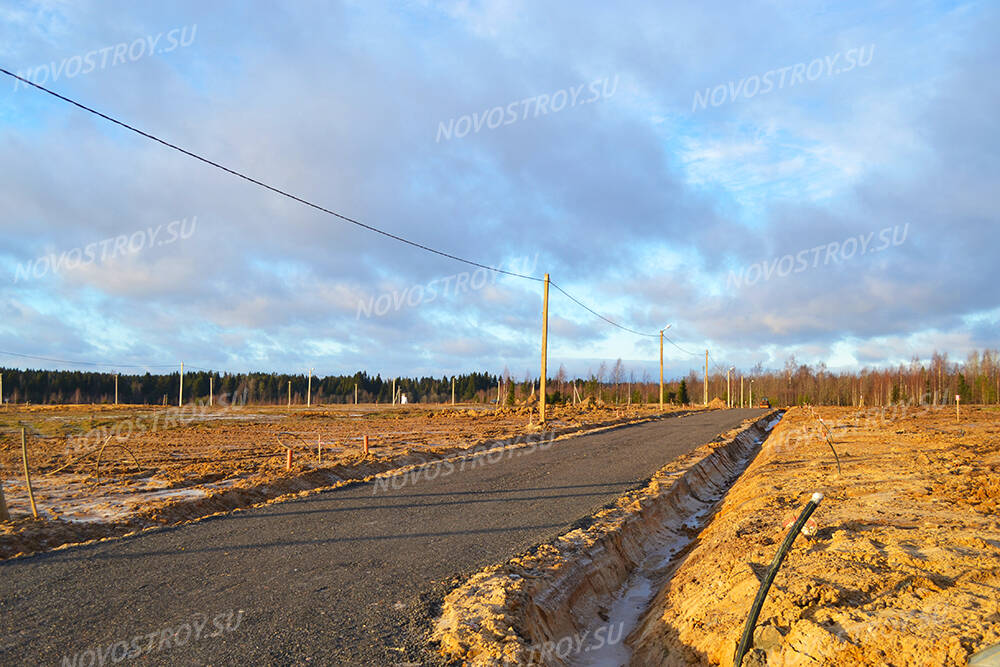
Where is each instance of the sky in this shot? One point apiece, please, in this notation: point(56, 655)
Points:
point(768, 178)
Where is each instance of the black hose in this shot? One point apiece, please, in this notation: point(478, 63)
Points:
point(765, 585)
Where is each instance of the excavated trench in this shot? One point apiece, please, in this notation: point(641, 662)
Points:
point(576, 600)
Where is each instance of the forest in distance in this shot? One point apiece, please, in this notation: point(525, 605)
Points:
point(935, 381)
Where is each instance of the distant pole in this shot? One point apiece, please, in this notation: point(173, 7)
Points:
point(498, 393)
point(453, 390)
point(319, 448)
point(958, 400)
point(742, 405)
point(309, 389)
point(729, 402)
point(211, 390)
point(355, 393)
point(751, 392)
point(289, 393)
point(661, 369)
point(545, 345)
point(180, 391)
point(706, 378)
point(27, 475)
point(116, 390)
point(394, 391)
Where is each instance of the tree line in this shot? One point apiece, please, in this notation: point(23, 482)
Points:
point(55, 387)
point(935, 381)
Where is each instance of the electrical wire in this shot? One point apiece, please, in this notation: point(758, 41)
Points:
point(323, 209)
point(279, 191)
point(86, 363)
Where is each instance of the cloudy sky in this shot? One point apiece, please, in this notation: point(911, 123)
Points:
point(778, 178)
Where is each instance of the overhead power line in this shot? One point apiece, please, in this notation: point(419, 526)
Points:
point(86, 363)
point(279, 191)
point(323, 209)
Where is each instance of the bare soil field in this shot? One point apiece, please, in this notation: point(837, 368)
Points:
point(100, 471)
point(901, 567)
point(904, 568)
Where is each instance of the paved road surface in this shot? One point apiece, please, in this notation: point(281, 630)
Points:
point(345, 577)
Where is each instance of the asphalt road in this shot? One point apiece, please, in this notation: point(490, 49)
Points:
point(350, 576)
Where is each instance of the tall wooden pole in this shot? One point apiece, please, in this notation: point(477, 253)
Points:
point(545, 346)
point(498, 393)
point(706, 378)
point(116, 389)
point(729, 400)
point(741, 392)
point(661, 369)
point(211, 390)
point(394, 391)
point(289, 393)
point(180, 390)
point(355, 393)
point(27, 475)
point(309, 389)
point(453, 390)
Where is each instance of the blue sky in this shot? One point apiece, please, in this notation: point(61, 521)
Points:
point(637, 199)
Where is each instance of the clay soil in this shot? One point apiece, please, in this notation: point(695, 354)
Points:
point(904, 567)
point(168, 465)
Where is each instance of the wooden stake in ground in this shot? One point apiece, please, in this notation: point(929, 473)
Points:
point(4, 514)
point(545, 345)
point(958, 401)
point(366, 445)
point(319, 448)
point(27, 475)
point(355, 393)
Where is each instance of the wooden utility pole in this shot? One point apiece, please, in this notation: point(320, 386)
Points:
point(116, 389)
point(309, 389)
point(706, 378)
point(661, 369)
point(729, 400)
point(453, 390)
point(958, 401)
point(742, 405)
point(211, 390)
point(394, 391)
point(180, 391)
point(289, 393)
point(27, 475)
point(355, 393)
point(545, 344)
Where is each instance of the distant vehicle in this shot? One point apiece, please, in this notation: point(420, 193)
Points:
point(764, 403)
